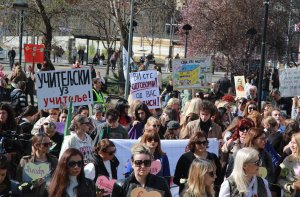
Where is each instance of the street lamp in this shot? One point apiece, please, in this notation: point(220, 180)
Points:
point(186, 28)
point(250, 34)
point(20, 5)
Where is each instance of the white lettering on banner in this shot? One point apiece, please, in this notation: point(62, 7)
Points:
point(144, 87)
point(173, 148)
point(289, 80)
point(58, 87)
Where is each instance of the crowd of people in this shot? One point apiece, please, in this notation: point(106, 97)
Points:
point(258, 153)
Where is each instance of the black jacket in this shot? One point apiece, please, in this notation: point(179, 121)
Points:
point(153, 183)
point(100, 168)
point(183, 166)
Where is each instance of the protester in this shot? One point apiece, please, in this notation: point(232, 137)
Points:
point(214, 94)
point(284, 104)
point(18, 98)
point(142, 113)
point(201, 179)
point(62, 116)
point(289, 175)
point(105, 162)
point(79, 139)
point(11, 55)
point(198, 144)
point(190, 117)
point(30, 84)
point(124, 119)
point(17, 75)
point(111, 129)
point(40, 155)
point(141, 177)
point(52, 117)
point(172, 131)
point(204, 124)
point(49, 128)
point(8, 187)
point(69, 179)
point(27, 119)
point(244, 179)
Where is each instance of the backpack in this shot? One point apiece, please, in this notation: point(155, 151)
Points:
point(234, 192)
point(15, 102)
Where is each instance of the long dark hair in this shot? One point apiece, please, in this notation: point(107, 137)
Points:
point(60, 179)
point(121, 106)
point(10, 123)
point(145, 108)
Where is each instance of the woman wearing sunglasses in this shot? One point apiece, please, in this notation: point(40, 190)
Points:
point(79, 139)
point(40, 155)
point(152, 141)
point(289, 175)
point(257, 139)
point(69, 179)
point(244, 180)
point(198, 144)
point(236, 142)
point(105, 162)
point(250, 106)
point(141, 177)
point(201, 179)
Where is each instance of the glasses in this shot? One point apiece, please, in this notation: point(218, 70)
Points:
point(150, 139)
point(277, 114)
point(45, 144)
point(202, 142)
point(138, 163)
point(252, 108)
point(73, 164)
point(111, 152)
point(255, 162)
point(156, 126)
point(211, 174)
point(53, 114)
point(86, 123)
point(244, 129)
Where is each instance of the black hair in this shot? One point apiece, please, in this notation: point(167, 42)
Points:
point(145, 108)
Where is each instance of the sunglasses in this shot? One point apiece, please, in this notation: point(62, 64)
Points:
point(244, 129)
point(211, 174)
point(202, 142)
point(138, 163)
point(156, 126)
point(111, 152)
point(150, 139)
point(252, 108)
point(255, 163)
point(46, 144)
point(86, 123)
point(73, 164)
point(53, 114)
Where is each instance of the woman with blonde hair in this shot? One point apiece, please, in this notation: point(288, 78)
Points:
point(201, 179)
point(244, 179)
point(289, 176)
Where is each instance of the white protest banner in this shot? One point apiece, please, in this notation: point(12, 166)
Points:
point(240, 90)
point(58, 87)
point(144, 87)
point(125, 61)
point(191, 73)
point(173, 148)
point(289, 79)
